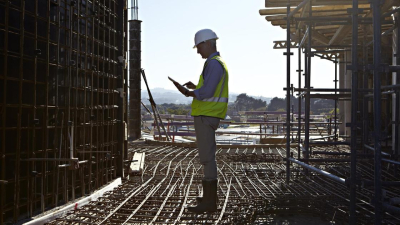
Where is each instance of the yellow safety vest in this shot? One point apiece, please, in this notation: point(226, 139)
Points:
point(217, 105)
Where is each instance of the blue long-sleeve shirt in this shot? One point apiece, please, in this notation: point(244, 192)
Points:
point(212, 75)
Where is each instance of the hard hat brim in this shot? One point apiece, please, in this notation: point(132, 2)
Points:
point(205, 41)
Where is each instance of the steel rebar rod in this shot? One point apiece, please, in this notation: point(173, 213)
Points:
point(377, 109)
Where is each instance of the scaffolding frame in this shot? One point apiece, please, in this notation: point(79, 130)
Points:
point(325, 26)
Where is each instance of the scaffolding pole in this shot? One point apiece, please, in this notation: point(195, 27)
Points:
point(288, 54)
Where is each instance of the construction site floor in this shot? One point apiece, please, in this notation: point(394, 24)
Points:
point(252, 190)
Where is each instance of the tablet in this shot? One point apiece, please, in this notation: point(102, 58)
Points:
point(172, 80)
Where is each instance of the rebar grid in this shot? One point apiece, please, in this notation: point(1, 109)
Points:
point(251, 190)
point(58, 101)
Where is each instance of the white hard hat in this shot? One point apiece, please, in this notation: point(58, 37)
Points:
point(204, 35)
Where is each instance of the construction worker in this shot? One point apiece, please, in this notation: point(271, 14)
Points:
point(209, 106)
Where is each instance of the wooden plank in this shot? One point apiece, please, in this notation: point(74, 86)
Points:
point(319, 37)
point(340, 34)
point(137, 166)
point(275, 3)
point(298, 15)
point(43, 219)
point(142, 161)
point(274, 11)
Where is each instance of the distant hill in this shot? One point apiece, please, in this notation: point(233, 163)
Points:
point(162, 95)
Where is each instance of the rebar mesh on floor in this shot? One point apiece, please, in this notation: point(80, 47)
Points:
point(252, 190)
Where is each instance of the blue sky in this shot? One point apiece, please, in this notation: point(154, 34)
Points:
point(245, 42)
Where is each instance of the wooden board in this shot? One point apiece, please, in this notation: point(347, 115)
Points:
point(137, 166)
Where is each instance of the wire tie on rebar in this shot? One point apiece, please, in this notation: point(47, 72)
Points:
point(38, 52)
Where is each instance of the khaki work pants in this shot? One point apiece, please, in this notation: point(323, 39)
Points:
point(205, 127)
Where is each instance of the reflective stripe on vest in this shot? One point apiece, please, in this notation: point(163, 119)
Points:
point(215, 99)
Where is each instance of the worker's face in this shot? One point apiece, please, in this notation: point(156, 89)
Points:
point(203, 49)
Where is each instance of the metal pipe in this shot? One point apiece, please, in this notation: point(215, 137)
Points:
point(394, 86)
point(367, 183)
point(304, 37)
point(288, 53)
point(322, 89)
point(354, 93)
point(373, 149)
point(391, 161)
point(390, 208)
point(336, 101)
point(329, 153)
point(307, 83)
point(302, 94)
point(134, 10)
point(322, 172)
point(299, 107)
point(300, 6)
point(397, 102)
point(365, 86)
point(390, 12)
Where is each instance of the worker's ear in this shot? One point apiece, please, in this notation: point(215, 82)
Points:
point(208, 43)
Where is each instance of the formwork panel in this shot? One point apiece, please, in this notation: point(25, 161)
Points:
point(58, 82)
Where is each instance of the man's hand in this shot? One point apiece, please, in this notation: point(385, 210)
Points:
point(190, 85)
point(181, 89)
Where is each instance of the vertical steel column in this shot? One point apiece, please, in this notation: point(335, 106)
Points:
point(307, 86)
point(120, 85)
point(299, 109)
point(336, 100)
point(354, 91)
point(377, 108)
point(288, 53)
point(388, 120)
point(365, 86)
point(397, 103)
point(134, 79)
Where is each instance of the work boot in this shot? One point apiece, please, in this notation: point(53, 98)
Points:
point(200, 199)
point(209, 200)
